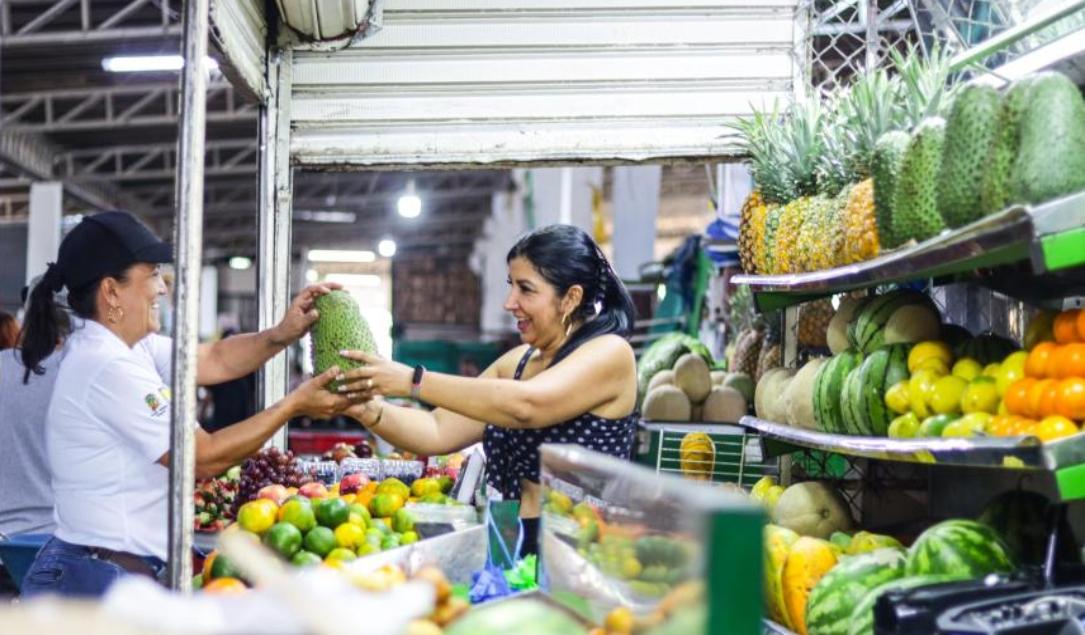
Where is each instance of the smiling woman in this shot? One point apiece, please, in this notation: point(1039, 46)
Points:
point(572, 381)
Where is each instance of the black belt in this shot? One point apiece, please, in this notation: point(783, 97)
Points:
point(130, 562)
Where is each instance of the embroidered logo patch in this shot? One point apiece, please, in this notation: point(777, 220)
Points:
point(157, 402)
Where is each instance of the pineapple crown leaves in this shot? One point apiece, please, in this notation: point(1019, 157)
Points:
point(870, 109)
point(834, 171)
point(804, 144)
point(925, 89)
point(761, 137)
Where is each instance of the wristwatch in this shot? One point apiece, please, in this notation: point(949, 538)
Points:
point(416, 382)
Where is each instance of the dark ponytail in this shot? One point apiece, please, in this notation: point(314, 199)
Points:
point(566, 255)
point(47, 323)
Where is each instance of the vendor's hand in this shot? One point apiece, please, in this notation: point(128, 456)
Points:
point(312, 399)
point(301, 315)
point(379, 376)
point(366, 413)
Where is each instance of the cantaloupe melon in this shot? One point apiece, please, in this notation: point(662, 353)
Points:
point(667, 403)
point(813, 509)
point(837, 335)
point(913, 323)
point(663, 377)
point(696, 412)
point(742, 383)
point(718, 376)
point(691, 374)
point(724, 405)
point(799, 398)
point(769, 395)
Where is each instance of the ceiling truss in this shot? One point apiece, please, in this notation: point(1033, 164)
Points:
point(82, 21)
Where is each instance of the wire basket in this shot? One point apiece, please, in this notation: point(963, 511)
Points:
point(738, 458)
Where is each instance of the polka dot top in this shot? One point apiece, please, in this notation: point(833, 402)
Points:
point(513, 454)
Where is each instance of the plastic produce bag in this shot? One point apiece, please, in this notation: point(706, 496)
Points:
point(522, 576)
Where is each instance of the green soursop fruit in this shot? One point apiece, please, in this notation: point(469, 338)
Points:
point(970, 132)
point(340, 327)
point(995, 191)
point(915, 202)
point(885, 168)
point(1051, 157)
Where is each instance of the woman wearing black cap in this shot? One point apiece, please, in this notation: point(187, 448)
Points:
point(108, 423)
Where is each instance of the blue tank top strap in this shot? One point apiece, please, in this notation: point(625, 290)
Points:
point(523, 362)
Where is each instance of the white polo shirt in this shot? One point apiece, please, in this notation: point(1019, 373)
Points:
point(107, 426)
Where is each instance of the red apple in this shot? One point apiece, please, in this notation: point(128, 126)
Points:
point(274, 493)
point(313, 490)
point(351, 483)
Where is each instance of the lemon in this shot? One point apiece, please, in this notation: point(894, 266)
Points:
point(935, 364)
point(349, 535)
point(1006, 376)
point(1002, 409)
point(905, 426)
point(980, 396)
point(991, 370)
point(927, 350)
point(257, 515)
point(1015, 360)
point(896, 398)
point(946, 396)
point(631, 568)
point(969, 425)
point(920, 389)
point(967, 368)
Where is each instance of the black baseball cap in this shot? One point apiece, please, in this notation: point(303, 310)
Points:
point(105, 243)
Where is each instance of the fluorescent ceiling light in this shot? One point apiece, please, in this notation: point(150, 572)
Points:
point(240, 263)
point(149, 63)
point(341, 255)
point(355, 279)
point(325, 216)
point(387, 247)
point(409, 205)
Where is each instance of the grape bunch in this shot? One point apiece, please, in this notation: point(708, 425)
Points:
point(270, 466)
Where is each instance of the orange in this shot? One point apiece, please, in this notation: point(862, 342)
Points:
point(1068, 361)
point(225, 586)
point(1016, 397)
point(1055, 427)
point(1038, 358)
point(1022, 426)
point(1071, 400)
point(1040, 398)
point(1065, 327)
point(1000, 426)
point(208, 562)
point(1080, 326)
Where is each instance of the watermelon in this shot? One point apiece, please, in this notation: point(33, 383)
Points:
point(987, 348)
point(954, 334)
point(962, 548)
point(864, 390)
point(828, 386)
point(850, 400)
point(861, 621)
point(870, 319)
point(1020, 518)
point(829, 609)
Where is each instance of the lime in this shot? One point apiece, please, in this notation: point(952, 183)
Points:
point(284, 539)
point(349, 535)
point(257, 515)
point(1008, 374)
point(905, 426)
point(630, 568)
point(340, 555)
point(331, 512)
point(222, 567)
point(933, 426)
point(394, 486)
point(991, 370)
point(446, 484)
point(896, 398)
point(424, 486)
point(305, 558)
point(947, 393)
point(402, 521)
point(435, 499)
point(367, 548)
point(408, 537)
point(358, 509)
point(385, 504)
point(967, 368)
point(320, 541)
point(391, 541)
point(980, 396)
point(298, 511)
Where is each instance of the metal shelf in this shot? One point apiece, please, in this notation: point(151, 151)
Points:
point(1064, 458)
point(1045, 239)
point(772, 628)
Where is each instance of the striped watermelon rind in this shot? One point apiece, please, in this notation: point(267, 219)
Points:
point(861, 621)
point(880, 371)
point(829, 609)
point(962, 548)
point(850, 398)
point(870, 319)
point(828, 386)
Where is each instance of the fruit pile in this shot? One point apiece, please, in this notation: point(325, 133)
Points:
point(215, 500)
point(678, 382)
point(270, 466)
point(893, 159)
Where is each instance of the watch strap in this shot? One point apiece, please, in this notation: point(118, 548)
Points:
point(416, 382)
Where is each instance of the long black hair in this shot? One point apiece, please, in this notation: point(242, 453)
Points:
point(46, 322)
point(565, 255)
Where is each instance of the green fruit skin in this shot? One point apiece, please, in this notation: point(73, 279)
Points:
point(828, 386)
point(331, 512)
point(283, 538)
point(663, 353)
point(831, 602)
point(340, 327)
point(915, 205)
point(1019, 517)
point(320, 541)
point(1051, 156)
point(870, 319)
point(962, 548)
point(305, 559)
point(970, 132)
point(861, 621)
point(885, 169)
point(223, 567)
point(932, 427)
point(995, 191)
point(879, 371)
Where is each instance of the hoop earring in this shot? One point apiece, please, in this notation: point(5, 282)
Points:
point(114, 315)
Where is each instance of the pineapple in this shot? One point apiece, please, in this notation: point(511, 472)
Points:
point(792, 218)
point(821, 237)
point(767, 261)
point(772, 355)
point(871, 109)
point(861, 224)
point(814, 322)
point(750, 228)
point(747, 351)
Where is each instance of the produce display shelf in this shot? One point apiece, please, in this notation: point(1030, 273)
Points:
point(1064, 458)
point(773, 628)
point(1047, 238)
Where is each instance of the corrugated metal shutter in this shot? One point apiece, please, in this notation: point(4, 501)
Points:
point(468, 82)
point(239, 28)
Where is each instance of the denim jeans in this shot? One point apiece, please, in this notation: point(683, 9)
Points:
point(62, 568)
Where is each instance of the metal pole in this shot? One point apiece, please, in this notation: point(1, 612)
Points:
point(188, 238)
point(274, 225)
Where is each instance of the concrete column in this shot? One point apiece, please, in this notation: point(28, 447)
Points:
point(43, 228)
point(636, 205)
point(499, 232)
point(563, 195)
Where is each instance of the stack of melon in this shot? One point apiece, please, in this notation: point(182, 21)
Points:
point(692, 392)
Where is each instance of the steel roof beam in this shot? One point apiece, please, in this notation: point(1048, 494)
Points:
point(123, 25)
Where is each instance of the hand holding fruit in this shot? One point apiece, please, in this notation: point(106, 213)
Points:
point(314, 400)
point(301, 315)
point(379, 376)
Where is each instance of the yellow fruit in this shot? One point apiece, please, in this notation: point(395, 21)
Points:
point(905, 426)
point(1016, 360)
point(967, 368)
point(257, 515)
point(1040, 329)
point(761, 486)
point(946, 396)
point(980, 396)
point(349, 535)
point(777, 544)
point(619, 621)
point(807, 562)
point(927, 350)
point(938, 366)
point(772, 495)
point(969, 425)
point(631, 568)
point(991, 370)
point(1006, 376)
point(896, 398)
point(920, 390)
